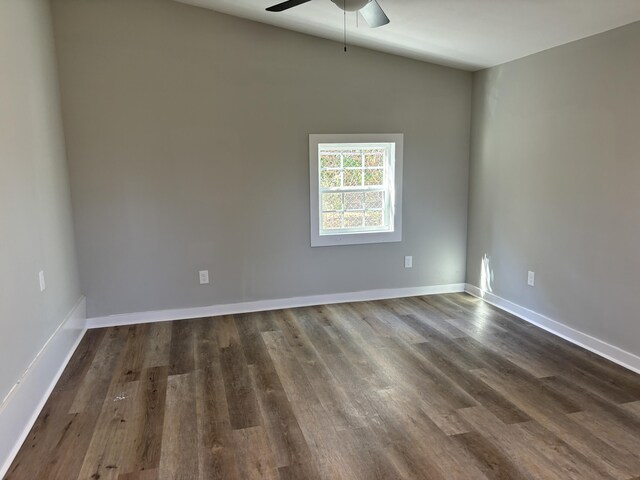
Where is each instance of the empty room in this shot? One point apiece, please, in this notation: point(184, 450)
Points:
point(320, 239)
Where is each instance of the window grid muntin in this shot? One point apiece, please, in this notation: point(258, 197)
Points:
point(363, 149)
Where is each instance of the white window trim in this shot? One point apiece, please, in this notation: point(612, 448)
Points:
point(355, 238)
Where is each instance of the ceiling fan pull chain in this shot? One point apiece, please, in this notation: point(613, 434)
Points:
point(345, 25)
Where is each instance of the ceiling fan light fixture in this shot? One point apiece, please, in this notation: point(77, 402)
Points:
point(350, 5)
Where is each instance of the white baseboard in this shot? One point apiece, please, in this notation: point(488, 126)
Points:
point(21, 407)
point(263, 305)
point(597, 346)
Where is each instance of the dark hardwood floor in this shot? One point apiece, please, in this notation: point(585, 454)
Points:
point(438, 387)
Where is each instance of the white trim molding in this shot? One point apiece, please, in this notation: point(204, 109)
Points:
point(21, 407)
point(393, 144)
point(264, 305)
point(595, 345)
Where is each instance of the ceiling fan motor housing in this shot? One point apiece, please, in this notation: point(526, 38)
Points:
point(350, 5)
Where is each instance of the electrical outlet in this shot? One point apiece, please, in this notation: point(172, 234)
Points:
point(204, 277)
point(408, 262)
point(43, 284)
point(531, 279)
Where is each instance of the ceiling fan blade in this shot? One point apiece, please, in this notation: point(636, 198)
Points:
point(374, 15)
point(280, 7)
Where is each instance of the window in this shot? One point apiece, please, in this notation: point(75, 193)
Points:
point(356, 189)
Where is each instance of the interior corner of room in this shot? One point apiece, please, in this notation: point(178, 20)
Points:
point(144, 142)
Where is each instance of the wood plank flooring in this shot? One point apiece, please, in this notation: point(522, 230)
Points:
point(437, 387)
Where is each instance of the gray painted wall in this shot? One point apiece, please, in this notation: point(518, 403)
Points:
point(187, 136)
point(35, 210)
point(555, 183)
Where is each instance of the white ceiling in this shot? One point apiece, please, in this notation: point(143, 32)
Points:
point(469, 34)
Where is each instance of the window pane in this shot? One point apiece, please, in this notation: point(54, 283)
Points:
point(374, 199)
point(374, 158)
point(328, 160)
point(352, 159)
point(353, 219)
point(330, 178)
point(374, 176)
point(354, 201)
point(353, 188)
point(352, 178)
point(373, 218)
point(331, 220)
point(331, 201)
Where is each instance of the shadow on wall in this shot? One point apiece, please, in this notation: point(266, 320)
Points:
point(486, 275)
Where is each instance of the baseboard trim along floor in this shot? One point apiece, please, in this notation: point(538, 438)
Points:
point(595, 345)
point(265, 305)
point(21, 407)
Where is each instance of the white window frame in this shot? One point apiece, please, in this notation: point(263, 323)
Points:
point(394, 172)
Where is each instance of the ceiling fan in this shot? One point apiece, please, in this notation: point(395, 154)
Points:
point(369, 9)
